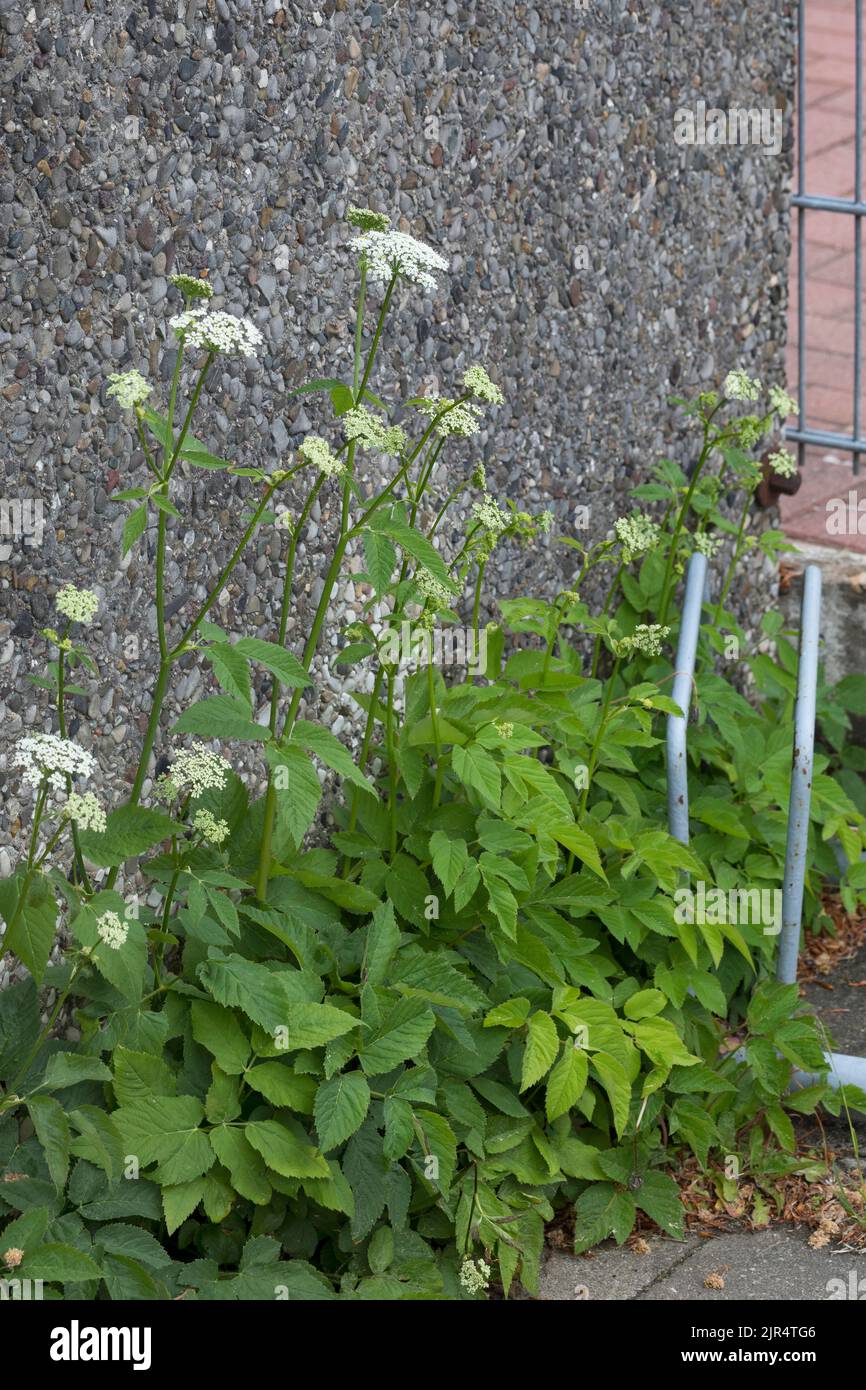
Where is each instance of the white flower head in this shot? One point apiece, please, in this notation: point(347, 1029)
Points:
point(284, 519)
point(545, 522)
point(217, 332)
point(490, 516)
point(211, 829)
point(460, 418)
point(474, 1275)
point(366, 429)
point(191, 286)
point(436, 593)
point(503, 728)
point(368, 221)
point(389, 253)
point(195, 770)
point(183, 322)
point(637, 534)
point(316, 451)
point(739, 386)
point(86, 811)
point(646, 638)
point(111, 930)
point(129, 388)
point(783, 404)
point(783, 463)
point(707, 545)
point(49, 758)
point(476, 380)
point(78, 605)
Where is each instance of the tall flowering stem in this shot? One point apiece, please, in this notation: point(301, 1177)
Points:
point(80, 871)
point(710, 442)
point(360, 380)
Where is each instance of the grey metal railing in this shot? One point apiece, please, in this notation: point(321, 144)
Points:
point(855, 207)
point(681, 694)
point(844, 1069)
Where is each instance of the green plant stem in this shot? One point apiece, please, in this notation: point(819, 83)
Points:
point(374, 346)
point(31, 863)
point(46, 1031)
point(596, 650)
point(599, 734)
point(369, 725)
point(187, 419)
point(264, 866)
point(177, 649)
point(359, 331)
point(148, 457)
point(434, 719)
point(79, 869)
point(392, 766)
point(476, 608)
point(738, 550)
point(271, 793)
point(710, 443)
point(556, 621)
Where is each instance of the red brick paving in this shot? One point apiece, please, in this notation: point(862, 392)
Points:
point(829, 298)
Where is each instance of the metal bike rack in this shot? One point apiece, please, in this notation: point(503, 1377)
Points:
point(844, 1070)
point(681, 694)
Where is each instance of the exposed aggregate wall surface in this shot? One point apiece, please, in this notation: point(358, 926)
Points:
point(596, 268)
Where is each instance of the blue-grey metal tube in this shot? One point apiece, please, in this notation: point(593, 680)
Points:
point(681, 694)
point(801, 777)
point(844, 1071)
point(801, 225)
point(858, 223)
point(829, 439)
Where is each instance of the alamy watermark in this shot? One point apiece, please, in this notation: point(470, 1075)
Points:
point(705, 905)
point(846, 516)
point(20, 520)
point(414, 648)
point(738, 125)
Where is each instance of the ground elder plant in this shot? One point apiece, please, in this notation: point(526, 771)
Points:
point(265, 1067)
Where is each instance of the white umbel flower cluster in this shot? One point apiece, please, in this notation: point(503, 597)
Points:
point(476, 380)
point(49, 758)
point(316, 451)
point(195, 770)
point(210, 829)
point(217, 332)
point(490, 516)
point(707, 545)
point(637, 534)
point(128, 388)
point(783, 463)
point(647, 638)
point(368, 220)
point(78, 605)
point(474, 1275)
point(437, 593)
point(783, 404)
point(460, 418)
point(370, 432)
point(111, 931)
point(192, 286)
point(394, 253)
point(86, 811)
point(739, 386)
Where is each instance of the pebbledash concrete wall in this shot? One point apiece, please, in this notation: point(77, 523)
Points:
point(597, 267)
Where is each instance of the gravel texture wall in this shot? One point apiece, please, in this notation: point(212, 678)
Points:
point(596, 268)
